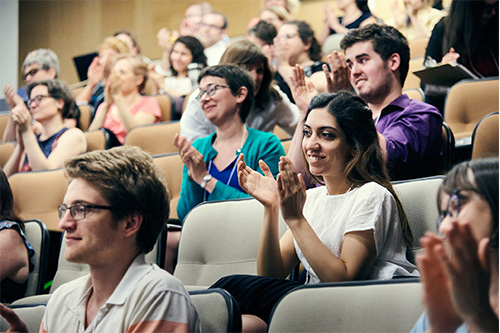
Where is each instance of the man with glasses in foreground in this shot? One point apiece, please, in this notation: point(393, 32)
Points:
point(114, 209)
point(211, 34)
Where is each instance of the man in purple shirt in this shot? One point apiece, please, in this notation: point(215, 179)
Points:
point(376, 64)
point(378, 57)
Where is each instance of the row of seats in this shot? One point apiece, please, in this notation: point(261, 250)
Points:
point(221, 238)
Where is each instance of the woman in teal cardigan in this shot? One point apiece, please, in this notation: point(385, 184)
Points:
point(209, 174)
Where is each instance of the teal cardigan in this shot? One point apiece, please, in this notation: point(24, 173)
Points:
point(258, 146)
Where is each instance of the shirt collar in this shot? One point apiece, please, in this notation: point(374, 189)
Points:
point(399, 103)
point(134, 274)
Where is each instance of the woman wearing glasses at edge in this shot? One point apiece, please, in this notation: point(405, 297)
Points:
point(460, 267)
point(50, 102)
point(351, 228)
point(271, 107)
point(209, 173)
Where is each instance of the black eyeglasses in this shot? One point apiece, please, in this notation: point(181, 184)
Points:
point(37, 99)
point(79, 211)
point(210, 91)
point(31, 73)
point(453, 207)
point(211, 26)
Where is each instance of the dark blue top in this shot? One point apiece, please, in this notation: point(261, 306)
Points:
point(355, 24)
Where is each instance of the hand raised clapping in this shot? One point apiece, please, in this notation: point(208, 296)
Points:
point(191, 158)
point(291, 190)
point(261, 187)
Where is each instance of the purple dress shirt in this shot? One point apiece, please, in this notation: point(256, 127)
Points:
point(413, 132)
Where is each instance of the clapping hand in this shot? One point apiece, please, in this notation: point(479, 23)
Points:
point(192, 158)
point(302, 91)
point(22, 117)
point(261, 187)
point(291, 190)
point(338, 79)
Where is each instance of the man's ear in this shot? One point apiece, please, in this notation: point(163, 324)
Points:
point(483, 253)
point(132, 225)
point(394, 62)
point(52, 72)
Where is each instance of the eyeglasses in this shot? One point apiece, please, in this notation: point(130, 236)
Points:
point(211, 26)
point(37, 99)
point(453, 207)
point(30, 73)
point(78, 211)
point(287, 36)
point(210, 91)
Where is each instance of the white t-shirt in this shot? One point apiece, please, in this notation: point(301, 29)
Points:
point(282, 112)
point(370, 206)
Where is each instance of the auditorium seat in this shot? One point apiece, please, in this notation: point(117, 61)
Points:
point(485, 137)
point(220, 238)
point(154, 138)
point(363, 306)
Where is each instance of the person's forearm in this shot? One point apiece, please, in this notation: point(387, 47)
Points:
point(36, 158)
point(14, 161)
point(9, 133)
point(127, 118)
point(100, 116)
point(269, 260)
point(86, 93)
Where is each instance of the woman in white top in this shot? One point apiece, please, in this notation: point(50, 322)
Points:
point(271, 106)
point(352, 228)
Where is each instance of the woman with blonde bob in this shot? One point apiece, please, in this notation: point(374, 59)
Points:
point(124, 107)
point(352, 228)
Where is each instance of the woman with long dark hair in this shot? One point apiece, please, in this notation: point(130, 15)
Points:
point(352, 228)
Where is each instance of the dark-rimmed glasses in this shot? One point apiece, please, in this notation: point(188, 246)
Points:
point(452, 208)
point(79, 211)
point(210, 91)
point(37, 99)
point(31, 73)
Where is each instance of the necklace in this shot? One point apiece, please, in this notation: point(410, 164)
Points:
point(233, 169)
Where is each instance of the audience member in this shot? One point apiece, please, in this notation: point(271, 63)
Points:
point(468, 36)
point(356, 14)
point(378, 57)
point(128, 38)
point(124, 107)
point(262, 34)
point(40, 64)
point(15, 261)
point(274, 15)
point(50, 101)
point(114, 209)
point(352, 228)
point(296, 44)
point(226, 96)
point(271, 106)
point(211, 34)
point(179, 68)
point(291, 6)
point(93, 93)
point(417, 20)
point(192, 18)
point(460, 267)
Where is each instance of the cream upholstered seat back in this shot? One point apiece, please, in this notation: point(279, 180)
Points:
point(220, 238)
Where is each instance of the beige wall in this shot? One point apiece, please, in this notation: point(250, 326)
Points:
point(75, 27)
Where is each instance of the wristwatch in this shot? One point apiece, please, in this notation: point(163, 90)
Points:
point(205, 180)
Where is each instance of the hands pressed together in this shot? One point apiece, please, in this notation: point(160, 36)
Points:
point(191, 158)
point(455, 283)
point(288, 190)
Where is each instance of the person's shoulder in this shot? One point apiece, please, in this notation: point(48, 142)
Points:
point(262, 136)
point(67, 290)
point(373, 190)
point(416, 106)
point(159, 280)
